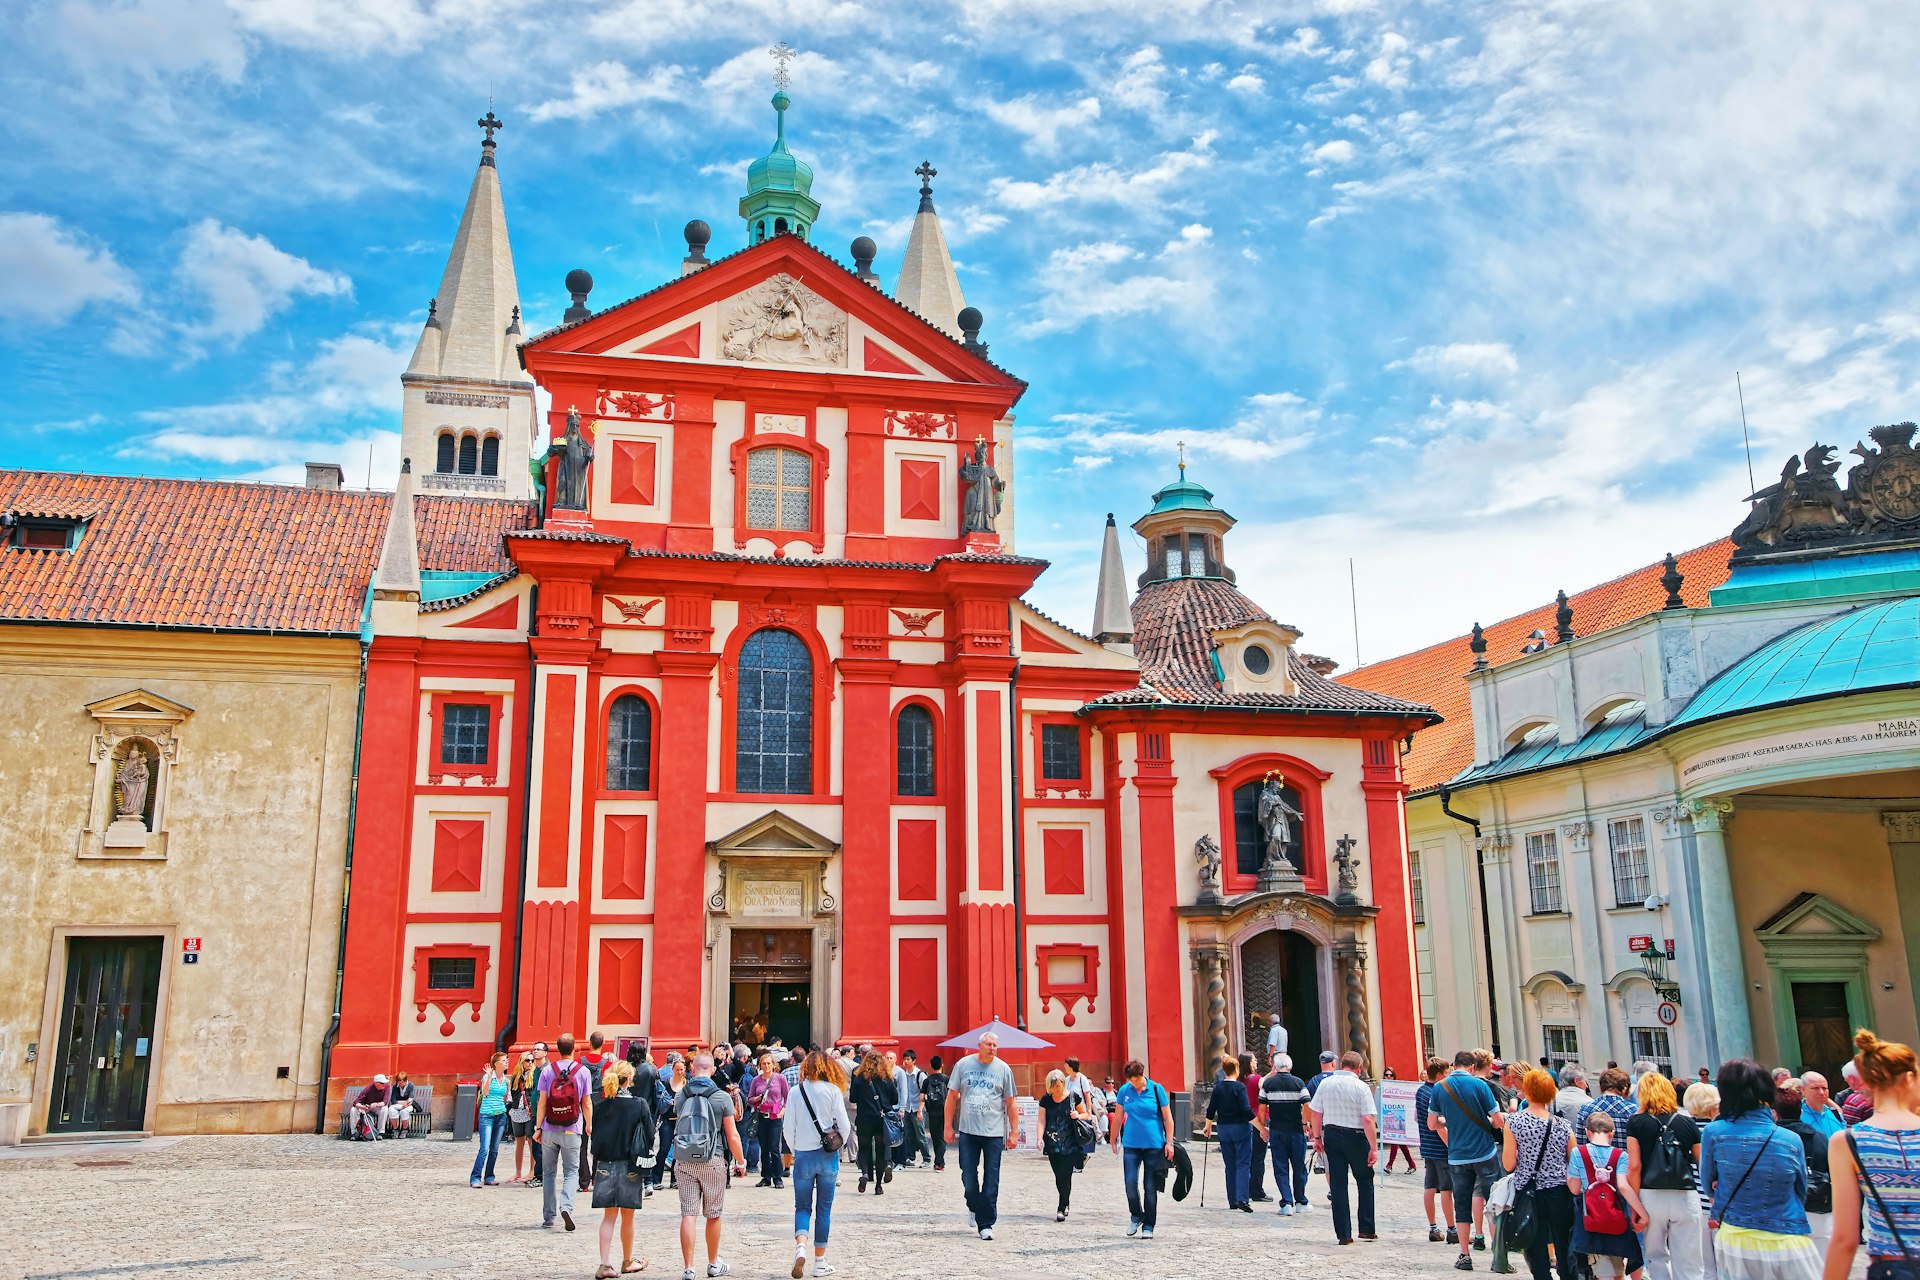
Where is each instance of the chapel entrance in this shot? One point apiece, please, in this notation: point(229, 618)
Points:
point(1280, 972)
point(770, 981)
point(106, 1035)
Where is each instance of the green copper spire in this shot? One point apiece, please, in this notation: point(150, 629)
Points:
point(778, 184)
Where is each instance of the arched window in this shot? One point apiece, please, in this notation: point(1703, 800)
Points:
point(490, 456)
point(913, 752)
point(630, 744)
point(443, 460)
point(773, 744)
point(469, 454)
point(779, 489)
point(779, 226)
point(1249, 844)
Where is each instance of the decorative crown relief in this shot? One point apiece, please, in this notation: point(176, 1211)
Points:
point(921, 426)
point(635, 404)
point(781, 321)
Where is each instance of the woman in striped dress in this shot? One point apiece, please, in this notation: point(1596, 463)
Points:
point(1877, 1163)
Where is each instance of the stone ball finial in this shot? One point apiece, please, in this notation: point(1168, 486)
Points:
point(970, 321)
point(579, 284)
point(863, 250)
point(698, 234)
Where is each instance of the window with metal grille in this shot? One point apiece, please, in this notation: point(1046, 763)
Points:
point(1562, 1045)
point(1632, 880)
point(1249, 842)
point(450, 973)
point(490, 456)
point(1652, 1044)
point(469, 454)
point(443, 453)
point(913, 752)
point(1543, 873)
point(773, 742)
point(1060, 752)
point(779, 489)
point(465, 733)
point(629, 744)
point(1417, 888)
point(1427, 1039)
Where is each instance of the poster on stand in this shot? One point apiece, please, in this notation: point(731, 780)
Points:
point(1396, 1113)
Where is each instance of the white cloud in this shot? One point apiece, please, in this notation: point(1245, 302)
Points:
point(1388, 68)
point(1483, 359)
point(244, 281)
point(610, 86)
point(1104, 182)
point(1248, 83)
point(151, 38)
point(1140, 83)
point(49, 274)
point(350, 26)
point(1339, 151)
point(1041, 123)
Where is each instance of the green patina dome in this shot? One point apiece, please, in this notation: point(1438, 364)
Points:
point(779, 184)
point(1183, 495)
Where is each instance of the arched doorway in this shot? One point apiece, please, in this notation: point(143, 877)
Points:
point(1279, 971)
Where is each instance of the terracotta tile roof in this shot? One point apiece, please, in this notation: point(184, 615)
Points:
point(225, 554)
point(1173, 626)
point(1435, 675)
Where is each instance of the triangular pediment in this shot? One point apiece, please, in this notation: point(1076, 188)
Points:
point(781, 304)
point(1810, 917)
point(773, 833)
point(1044, 642)
point(139, 704)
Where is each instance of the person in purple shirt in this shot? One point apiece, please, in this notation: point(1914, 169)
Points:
point(563, 1119)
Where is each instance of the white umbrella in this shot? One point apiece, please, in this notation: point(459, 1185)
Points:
point(1010, 1038)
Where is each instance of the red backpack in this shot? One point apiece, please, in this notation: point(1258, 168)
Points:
point(563, 1100)
point(1602, 1205)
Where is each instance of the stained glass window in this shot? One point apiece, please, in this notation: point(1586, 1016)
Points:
point(913, 752)
point(773, 741)
point(779, 489)
point(629, 744)
point(1249, 844)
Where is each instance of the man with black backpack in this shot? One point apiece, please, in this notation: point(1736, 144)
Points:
point(563, 1119)
point(704, 1133)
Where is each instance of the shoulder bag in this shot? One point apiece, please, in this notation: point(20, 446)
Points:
point(830, 1139)
point(1713, 1221)
point(1903, 1268)
point(1472, 1115)
point(1523, 1219)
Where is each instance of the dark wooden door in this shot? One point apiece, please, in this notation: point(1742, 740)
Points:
point(1820, 1018)
point(106, 1035)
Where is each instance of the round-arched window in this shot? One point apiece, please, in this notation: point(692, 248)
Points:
point(1256, 659)
point(773, 745)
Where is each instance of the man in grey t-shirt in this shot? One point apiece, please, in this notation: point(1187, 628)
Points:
point(982, 1122)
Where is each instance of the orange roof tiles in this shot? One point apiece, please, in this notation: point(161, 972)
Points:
point(226, 554)
point(1436, 674)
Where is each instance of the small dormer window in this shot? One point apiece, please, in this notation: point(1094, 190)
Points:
point(43, 533)
point(1258, 661)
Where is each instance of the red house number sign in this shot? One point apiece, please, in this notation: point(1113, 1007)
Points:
point(190, 951)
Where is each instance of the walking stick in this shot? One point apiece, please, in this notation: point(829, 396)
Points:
point(1205, 1147)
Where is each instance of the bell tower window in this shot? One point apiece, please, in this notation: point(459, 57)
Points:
point(443, 456)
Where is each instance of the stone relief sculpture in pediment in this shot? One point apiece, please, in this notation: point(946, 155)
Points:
point(781, 321)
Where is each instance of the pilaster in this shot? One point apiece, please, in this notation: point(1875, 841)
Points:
point(1726, 969)
point(1903, 847)
point(680, 872)
point(866, 873)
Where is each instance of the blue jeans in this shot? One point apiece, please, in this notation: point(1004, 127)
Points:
point(1289, 1152)
point(1236, 1149)
point(770, 1140)
point(813, 1176)
point(982, 1187)
point(491, 1130)
point(1138, 1165)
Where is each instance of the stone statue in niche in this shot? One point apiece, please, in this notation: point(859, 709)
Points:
point(1277, 831)
point(1206, 852)
point(981, 506)
point(130, 785)
point(570, 477)
point(1347, 890)
point(782, 321)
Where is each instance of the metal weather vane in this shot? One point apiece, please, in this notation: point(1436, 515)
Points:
point(782, 55)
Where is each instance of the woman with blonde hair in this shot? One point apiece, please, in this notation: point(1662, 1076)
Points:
point(874, 1094)
point(1876, 1163)
point(622, 1147)
point(1702, 1103)
point(520, 1097)
point(1059, 1110)
point(490, 1112)
point(816, 1126)
point(1663, 1156)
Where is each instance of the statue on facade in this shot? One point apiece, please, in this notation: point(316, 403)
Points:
point(1807, 505)
point(981, 506)
point(130, 784)
point(570, 477)
point(1276, 818)
point(1347, 884)
point(1206, 852)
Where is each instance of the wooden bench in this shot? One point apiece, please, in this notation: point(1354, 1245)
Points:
point(419, 1124)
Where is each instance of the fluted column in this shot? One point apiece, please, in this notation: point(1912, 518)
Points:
point(1726, 970)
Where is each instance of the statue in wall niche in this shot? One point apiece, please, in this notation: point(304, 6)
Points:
point(130, 783)
point(984, 487)
point(1347, 890)
point(1206, 852)
point(1277, 819)
point(570, 477)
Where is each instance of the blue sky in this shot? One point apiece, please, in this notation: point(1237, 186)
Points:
point(1455, 290)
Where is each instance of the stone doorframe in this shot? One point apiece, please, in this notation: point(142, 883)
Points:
point(774, 874)
point(1835, 953)
point(1216, 935)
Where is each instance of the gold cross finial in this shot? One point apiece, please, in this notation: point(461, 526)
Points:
point(782, 55)
point(1182, 445)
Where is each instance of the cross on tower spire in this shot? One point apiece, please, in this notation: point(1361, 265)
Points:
point(488, 122)
point(1182, 445)
point(782, 55)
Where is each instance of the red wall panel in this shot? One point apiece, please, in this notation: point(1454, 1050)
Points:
point(556, 781)
point(919, 489)
point(458, 844)
point(1064, 859)
point(919, 964)
point(623, 857)
point(919, 854)
point(622, 979)
point(633, 471)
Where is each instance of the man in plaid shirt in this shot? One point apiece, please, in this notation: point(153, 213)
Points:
point(1613, 1099)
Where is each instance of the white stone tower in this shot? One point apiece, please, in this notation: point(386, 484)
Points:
point(468, 419)
point(928, 284)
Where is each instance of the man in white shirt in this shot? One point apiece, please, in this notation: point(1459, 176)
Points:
point(1341, 1118)
point(1276, 1038)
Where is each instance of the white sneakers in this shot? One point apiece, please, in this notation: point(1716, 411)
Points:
point(1133, 1228)
point(718, 1268)
point(986, 1233)
point(1146, 1233)
point(821, 1267)
point(799, 1261)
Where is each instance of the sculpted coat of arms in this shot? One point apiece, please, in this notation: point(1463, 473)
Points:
point(1880, 503)
point(781, 321)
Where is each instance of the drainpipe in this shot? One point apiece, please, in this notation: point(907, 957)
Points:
point(346, 885)
point(512, 1024)
point(1486, 923)
point(1019, 861)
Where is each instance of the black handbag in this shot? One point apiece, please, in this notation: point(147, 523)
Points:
point(830, 1139)
point(1904, 1267)
point(1523, 1219)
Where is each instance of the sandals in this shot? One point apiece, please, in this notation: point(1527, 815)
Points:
point(632, 1265)
point(606, 1272)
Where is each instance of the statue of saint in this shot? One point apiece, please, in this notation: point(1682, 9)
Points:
point(984, 487)
point(1347, 884)
point(131, 782)
point(1276, 818)
point(1206, 852)
point(570, 477)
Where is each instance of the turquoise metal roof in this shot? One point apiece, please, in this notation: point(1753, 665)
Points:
point(1183, 495)
point(1880, 572)
point(1621, 729)
point(1874, 647)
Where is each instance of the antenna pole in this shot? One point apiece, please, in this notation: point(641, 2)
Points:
point(1353, 594)
point(369, 464)
point(1744, 437)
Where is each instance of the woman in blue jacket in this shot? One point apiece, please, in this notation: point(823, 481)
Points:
point(1757, 1175)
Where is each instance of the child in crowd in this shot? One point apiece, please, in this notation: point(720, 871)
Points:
point(1609, 1210)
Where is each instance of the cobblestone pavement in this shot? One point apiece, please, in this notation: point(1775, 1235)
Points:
point(232, 1208)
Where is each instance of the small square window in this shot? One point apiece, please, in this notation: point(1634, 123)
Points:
point(450, 973)
point(466, 733)
point(1060, 752)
